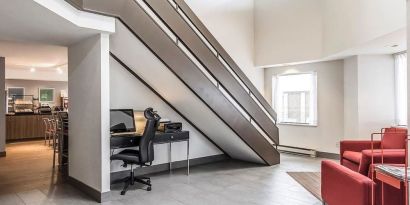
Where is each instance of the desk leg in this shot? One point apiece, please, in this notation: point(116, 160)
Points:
point(187, 156)
point(170, 157)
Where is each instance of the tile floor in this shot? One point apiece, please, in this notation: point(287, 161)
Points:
point(228, 182)
point(223, 183)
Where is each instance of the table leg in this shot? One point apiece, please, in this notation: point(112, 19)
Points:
point(170, 157)
point(187, 156)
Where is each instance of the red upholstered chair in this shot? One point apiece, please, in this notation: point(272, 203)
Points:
point(356, 155)
point(342, 186)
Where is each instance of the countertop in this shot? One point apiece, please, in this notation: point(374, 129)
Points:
point(25, 114)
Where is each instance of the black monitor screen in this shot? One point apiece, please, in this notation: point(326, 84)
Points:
point(122, 121)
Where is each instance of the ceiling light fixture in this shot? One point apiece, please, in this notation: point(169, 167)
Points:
point(32, 70)
point(393, 46)
point(59, 71)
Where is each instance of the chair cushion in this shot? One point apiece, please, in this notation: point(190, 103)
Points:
point(352, 156)
point(351, 165)
point(394, 138)
point(128, 156)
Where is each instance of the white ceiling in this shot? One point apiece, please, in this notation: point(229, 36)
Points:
point(388, 44)
point(32, 36)
point(391, 43)
point(34, 23)
point(27, 55)
point(34, 61)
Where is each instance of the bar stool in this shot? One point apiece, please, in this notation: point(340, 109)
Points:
point(53, 130)
point(47, 131)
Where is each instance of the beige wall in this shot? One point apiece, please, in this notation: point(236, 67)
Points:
point(351, 96)
point(287, 31)
point(120, 80)
point(232, 24)
point(31, 87)
point(350, 23)
point(329, 131)
point(369, 95)
point(376, 102)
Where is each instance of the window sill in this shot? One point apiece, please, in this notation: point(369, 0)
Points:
point(297, 124)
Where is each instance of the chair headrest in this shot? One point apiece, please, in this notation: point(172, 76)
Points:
point(150, 114)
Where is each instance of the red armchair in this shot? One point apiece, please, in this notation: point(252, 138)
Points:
point(356, 155)
point(341, 186)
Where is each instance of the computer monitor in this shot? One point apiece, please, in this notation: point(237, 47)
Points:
point(122, 120)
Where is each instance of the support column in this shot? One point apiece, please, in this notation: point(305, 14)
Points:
point(408, 78)
point(2, 107)
point(89, 134)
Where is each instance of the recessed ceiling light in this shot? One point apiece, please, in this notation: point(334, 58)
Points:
point(32, 70)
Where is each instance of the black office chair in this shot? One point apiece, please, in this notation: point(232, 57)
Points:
point(142, 157)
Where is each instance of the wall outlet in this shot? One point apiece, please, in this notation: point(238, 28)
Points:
point(338, 144)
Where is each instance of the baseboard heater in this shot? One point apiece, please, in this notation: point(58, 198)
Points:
point(297, 150)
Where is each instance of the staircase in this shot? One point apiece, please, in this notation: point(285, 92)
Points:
point(165, 43)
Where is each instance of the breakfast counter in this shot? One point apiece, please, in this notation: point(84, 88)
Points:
point(25, 126)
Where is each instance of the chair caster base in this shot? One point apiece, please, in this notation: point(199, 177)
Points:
point(149, 188)
point(123, 193)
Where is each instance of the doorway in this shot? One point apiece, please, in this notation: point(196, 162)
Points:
point(36, 96)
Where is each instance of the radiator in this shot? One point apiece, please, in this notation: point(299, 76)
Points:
point(297, 150)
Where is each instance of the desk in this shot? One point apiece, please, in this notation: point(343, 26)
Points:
point(133, 140)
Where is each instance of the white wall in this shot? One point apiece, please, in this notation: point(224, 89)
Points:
point(287, 31)
point(142, 61)
point(293, 31)
point(355, 99)
point(88, 85)
point(329, 131)
point(139, 97)
point(376, 93)
point(350, 23)
point(408, 66)
point(351, 104)
point(2, 105)
point(232, 24)
point(369, 95)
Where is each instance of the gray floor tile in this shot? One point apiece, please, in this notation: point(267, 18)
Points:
point(227, 183)
point(10, 199)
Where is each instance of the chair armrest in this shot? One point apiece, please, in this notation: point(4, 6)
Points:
point(390, 156)
point(357, 146)
point(341, 185)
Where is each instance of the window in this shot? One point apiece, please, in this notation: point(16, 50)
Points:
point(400, 71)
point(15, 91)
point(46, 94)
point(294, 98)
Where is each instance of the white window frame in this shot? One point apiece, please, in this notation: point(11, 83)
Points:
point(314, 96)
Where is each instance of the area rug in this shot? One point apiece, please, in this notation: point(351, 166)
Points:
point(309, 180)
